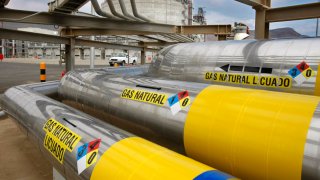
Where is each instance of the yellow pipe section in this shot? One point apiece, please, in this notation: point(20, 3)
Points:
point(136, 158)
point(252, 134)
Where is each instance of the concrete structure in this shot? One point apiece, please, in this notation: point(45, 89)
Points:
point(160, 11)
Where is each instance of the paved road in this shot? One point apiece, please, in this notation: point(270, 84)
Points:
point(12, 74)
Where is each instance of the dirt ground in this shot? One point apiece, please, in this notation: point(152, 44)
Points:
point(19, 157)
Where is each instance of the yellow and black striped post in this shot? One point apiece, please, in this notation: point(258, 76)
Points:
point(42, 72)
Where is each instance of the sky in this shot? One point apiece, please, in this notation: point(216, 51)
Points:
point(217, 12)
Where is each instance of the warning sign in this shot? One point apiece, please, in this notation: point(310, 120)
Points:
point(59, 138)
point(87, 155)
point(266, 81)
point(301, 73)
point(54, 147)
point(144, 96)
point(179, 101)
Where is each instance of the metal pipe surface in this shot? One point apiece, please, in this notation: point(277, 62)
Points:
point(286, 65)
point(136, 13)
point(2, 114)
point(114, 11)
point(125, 12)
point(99, 11)
point(231, 128)
point(82, 147)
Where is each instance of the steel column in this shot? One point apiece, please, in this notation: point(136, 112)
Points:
point(261, 26)
point(143, 56)
point(70, 59)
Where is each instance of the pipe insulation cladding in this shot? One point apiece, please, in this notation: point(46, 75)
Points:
point(286, 65)
point(82, 147)
point(251, 134)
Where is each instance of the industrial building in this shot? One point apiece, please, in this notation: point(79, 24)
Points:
point(166, 103)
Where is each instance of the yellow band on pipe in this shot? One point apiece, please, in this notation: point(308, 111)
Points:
point(252, 134)
point(136, 158)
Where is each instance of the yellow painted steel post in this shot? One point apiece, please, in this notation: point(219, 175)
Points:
point(42, 72)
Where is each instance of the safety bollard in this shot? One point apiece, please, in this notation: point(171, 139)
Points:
point(42, 72)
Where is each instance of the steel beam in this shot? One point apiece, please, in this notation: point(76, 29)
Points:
point(261, 26)
point(304, 11)
point(89, 32)
point(74, 21)
point(36, 37)
point(29, 36)
point(68, 20)
point(257, 3)
point(145, 44)
point(205, 29)
point(201, 29)
point(98, 44)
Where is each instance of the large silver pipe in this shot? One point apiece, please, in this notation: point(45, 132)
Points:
point(231, 128)
point(2, 114)
point(99, 11)
point(49, 123)
point(114, 11)
point(125, 12)
point(249, 63)
point(136, 13)
point(128, 71)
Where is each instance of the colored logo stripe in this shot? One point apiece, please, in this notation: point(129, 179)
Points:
point(301, 73)
point(214, 174)
point(87, 155)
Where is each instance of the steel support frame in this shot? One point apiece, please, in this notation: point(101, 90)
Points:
point(183, 30)
point(304, 11)
point(74, 21)
point(266, 15)
point(261, 26)
point(70, 55)
point(33, 37)
point(36, 37)
point(256, 3)
point(143, 56)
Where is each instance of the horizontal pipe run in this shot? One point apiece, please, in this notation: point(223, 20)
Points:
point(82, 147)
point(285, 65)
point(253, 128)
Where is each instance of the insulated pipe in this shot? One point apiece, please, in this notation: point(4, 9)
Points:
point(99, 11)
point(252, 134)
point(135, 11)
point(74, 141)
point(286, 65)
point(2, 114)
point(125, 12)
point(114, 12)
point(173, 37)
